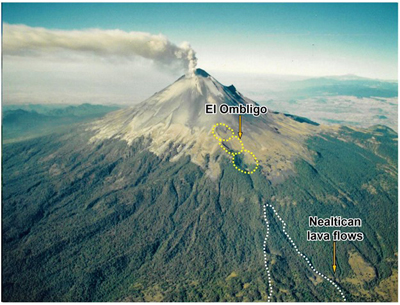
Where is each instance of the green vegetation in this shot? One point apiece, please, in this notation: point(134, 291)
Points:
point(111, 222)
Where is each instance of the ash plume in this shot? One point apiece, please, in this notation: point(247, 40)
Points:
point(22, 40)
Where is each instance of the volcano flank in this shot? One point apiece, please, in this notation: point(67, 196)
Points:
point(174, 120)
point(145, 205)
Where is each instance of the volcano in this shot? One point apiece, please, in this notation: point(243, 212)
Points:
point(145, 205)
point(175, 121)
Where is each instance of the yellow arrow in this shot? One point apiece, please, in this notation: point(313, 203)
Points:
point(240, 133)
point(334, 256)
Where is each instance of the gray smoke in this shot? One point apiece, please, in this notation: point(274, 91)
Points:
point(22, 40)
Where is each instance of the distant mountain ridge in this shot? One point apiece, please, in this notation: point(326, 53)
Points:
point(347, 85)
point(57, 109)
point(26, 121)
point(349, 77)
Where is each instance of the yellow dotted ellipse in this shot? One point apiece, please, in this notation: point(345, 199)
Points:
point(233, 154)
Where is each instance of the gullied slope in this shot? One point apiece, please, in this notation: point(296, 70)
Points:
point(117, 222)
point(144, 205)
point(175, 120)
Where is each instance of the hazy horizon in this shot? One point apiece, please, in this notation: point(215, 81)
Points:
point(123, 53)
point(245, 83)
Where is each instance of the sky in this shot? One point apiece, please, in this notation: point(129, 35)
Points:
point(233, 42)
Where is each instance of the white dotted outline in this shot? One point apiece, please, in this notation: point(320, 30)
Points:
point(265, 256)
point(334, 284)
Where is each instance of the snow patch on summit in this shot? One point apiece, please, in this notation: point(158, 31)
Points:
point(175, 121)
